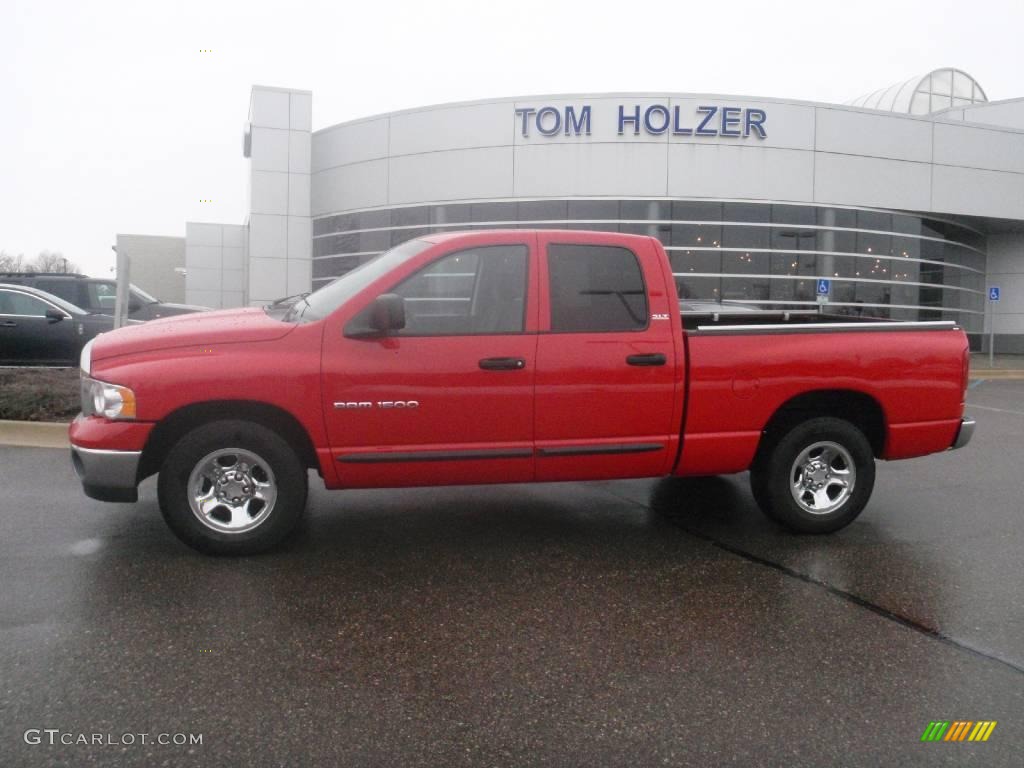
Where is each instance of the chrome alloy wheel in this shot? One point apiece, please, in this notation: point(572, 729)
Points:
point(232, 490)
point(822, 478)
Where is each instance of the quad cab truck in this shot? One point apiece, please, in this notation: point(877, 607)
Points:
point(506, 357)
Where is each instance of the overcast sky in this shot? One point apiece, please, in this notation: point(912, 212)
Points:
point(112, 120)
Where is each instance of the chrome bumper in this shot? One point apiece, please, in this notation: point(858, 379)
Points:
point(964, 434)
point(107, 475)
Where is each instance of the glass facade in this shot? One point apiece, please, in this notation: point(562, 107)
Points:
point(884, 264)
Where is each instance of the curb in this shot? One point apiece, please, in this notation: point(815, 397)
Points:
point(34, 434)
point(997, 374)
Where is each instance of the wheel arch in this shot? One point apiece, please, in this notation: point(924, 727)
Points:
point(177, 424)
point(859, 408)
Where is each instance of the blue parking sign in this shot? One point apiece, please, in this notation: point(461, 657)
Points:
point(824, 287)
point(993, 293)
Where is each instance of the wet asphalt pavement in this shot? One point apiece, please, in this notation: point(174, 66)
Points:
point(624, 623)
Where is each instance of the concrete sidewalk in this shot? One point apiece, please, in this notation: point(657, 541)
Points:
point(1005, 366)
point(34, 434)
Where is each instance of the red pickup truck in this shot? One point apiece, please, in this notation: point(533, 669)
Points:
point(503, 357)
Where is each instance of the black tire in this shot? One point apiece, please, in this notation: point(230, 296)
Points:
point(832, 441)
point(270, 526)
point(759, 489)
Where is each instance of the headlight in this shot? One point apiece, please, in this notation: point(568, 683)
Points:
point(108, 400)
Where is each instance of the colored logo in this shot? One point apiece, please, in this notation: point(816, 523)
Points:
point(958, 730)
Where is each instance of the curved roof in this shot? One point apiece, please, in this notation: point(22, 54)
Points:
point(924, 94)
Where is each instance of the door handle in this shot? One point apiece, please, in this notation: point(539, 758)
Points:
point(8, 324)
point(653, 359)
point(502, 364)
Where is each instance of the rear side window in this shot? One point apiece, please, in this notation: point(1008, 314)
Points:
point(597, 288)
point(62, 287)
point(102, 295)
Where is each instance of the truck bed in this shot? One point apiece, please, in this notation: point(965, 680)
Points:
point(736, 321)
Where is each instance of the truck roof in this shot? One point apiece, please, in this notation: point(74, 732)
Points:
point(440, 237)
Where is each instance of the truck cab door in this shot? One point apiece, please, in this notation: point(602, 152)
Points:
point(609, 374)
point(448, 399)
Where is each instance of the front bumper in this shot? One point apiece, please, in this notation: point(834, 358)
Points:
point(107, 475)
point(964, 434)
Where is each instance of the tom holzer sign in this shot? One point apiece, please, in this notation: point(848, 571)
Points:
point(654, 120)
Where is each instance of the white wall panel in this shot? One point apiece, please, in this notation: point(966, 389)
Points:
point(233, 258)
point(870, 181)
point(982, 193)
point(300, 276)
point(452, 175)
point(269, 108)
point(197, 233)
point(269, 191)
point(742, 172)
point(298, 194)
point(462, 127)
point(300, 233)
point(268, 236)
point(232, 280)
point(624, 169)
point(1009, 113)
point(352, 143)
point(974, 147)
point(300, 111)
point(203, 257)
point(232, 299)
point(204, 297)
point(202, 279)
point(298, 151)
point(360, 185)
point(269, 149)
point(873, 134)
point(1005, 254)
point(234, 235)
point(267, 279)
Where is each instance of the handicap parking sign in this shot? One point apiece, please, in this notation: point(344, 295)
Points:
point(993, 293)
point(824, 287)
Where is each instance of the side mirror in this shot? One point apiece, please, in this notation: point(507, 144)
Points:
point(134, 305)
point(54, 316)
point(387, 313)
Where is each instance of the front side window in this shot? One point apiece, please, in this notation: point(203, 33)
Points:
point(476, 291)
point(12, 303)
point(596, 288)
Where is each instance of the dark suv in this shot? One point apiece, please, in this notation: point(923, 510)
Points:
point(97, 295)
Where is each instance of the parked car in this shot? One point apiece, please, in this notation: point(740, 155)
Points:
point(98, 295)
point(506, 356)
point(38, 328)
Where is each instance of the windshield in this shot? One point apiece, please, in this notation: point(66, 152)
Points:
point(146, 298)
point(324, 301)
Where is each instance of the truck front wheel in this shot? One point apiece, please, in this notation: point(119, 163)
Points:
point(232, 488)
point(815, 478)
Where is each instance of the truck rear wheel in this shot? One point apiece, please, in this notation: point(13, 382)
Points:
point(232, 488)
point(816, 478)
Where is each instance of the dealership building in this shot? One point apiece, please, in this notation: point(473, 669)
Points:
point(906, 203)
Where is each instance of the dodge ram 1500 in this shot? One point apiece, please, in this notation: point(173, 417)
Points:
point(504, 357)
